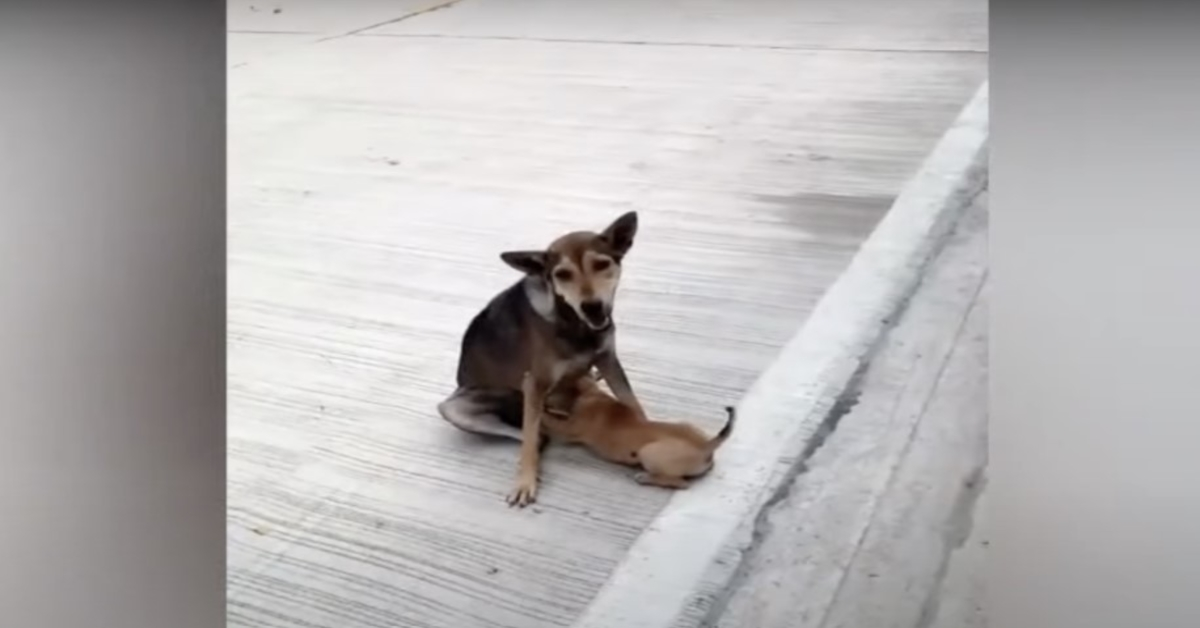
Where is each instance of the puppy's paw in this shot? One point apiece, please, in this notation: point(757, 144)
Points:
point(524, 493)
point(649, 479)
point(556, 413)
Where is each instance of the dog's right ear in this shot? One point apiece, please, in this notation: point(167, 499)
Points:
point(528, 262)
point(621, 232)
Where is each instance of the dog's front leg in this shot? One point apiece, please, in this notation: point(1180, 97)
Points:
point(525, 492)
point(613, 373)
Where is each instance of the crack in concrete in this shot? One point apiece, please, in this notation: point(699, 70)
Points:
point(234, 31)
point(407, 16)
point(957, 532)
point(688, 44)
point(446, 4)
point(904, 454)
point(762, 527)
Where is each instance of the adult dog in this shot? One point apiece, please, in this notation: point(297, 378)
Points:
point(552, 326)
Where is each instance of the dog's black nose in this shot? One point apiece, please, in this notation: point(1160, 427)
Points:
point(594, 310)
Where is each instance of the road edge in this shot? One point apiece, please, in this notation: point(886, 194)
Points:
point(663, 579)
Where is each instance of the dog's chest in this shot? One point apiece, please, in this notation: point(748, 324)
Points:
point(572, 366)
point(574, 356)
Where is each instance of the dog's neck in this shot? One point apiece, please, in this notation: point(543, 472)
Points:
point(540, 297)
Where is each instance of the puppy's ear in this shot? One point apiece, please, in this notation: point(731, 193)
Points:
point(620, 233)
point(528, 262)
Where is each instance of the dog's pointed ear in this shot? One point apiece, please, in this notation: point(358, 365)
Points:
point(528, 262)
point(620, 233)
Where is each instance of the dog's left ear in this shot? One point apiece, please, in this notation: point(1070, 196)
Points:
point(528, 262)
point(620, 233)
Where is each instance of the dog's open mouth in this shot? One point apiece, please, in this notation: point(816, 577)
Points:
point(595, 314)
point(601, 324)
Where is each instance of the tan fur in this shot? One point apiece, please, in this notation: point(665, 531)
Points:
point(669, 453)
point(580, 274)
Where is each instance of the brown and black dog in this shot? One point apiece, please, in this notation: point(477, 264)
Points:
point(669, 453)
point(553, 325)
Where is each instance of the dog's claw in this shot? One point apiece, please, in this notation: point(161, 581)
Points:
point(641, 477)
point(524, 494)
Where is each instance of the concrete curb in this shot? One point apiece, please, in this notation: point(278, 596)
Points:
point(677, 567)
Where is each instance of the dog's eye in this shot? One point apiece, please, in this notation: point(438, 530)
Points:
point(562, 274)
point(601, 265)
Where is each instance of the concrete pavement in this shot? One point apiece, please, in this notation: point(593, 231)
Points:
point(961, 601)
point(382, 153)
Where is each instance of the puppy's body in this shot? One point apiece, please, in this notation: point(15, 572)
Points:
point(553, 325)
point(670, 453)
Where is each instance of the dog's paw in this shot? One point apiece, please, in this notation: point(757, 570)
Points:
point(524, 493)
point(649, 479)
point(556, 413)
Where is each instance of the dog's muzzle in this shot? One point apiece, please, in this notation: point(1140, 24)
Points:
point(595, 314)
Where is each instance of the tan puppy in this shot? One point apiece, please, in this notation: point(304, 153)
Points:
point(670, 453)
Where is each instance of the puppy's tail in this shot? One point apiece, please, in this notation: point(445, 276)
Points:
point(726, 431)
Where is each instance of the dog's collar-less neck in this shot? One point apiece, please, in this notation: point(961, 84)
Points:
point(540, 297)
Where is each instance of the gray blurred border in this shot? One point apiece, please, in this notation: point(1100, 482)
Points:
point(1095, 403)
point(112, 311)
point(111, 300)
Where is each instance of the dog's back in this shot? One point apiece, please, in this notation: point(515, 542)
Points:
point(597, 420)
point(494, 340)
point(497, 338)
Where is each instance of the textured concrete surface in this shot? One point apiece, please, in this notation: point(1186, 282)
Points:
point(961, 602)
point(383, 154)
point(864, 537)
point(686, 560)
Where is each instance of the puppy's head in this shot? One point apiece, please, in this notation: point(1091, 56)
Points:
point(582, 268)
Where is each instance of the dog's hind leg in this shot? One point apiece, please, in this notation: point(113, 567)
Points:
point(483, 412)
point(664, 481)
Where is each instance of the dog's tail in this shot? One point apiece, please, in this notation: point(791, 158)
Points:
point(726, 431)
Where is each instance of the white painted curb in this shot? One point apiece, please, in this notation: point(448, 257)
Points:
point(662, 580)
